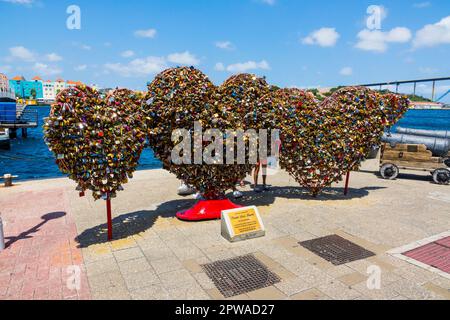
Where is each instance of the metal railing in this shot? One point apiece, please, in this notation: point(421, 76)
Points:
point(23, 119)
point(414, 82)
point(28, 116)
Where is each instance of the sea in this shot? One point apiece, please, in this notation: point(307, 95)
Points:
point(30, 158)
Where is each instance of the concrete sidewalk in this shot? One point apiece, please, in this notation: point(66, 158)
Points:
point(156, 256)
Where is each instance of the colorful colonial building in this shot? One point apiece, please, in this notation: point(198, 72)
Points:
point(45, 90)
point(4, 83)
point(27, 89)
point(49, 90)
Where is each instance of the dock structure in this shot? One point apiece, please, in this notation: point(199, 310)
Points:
point(15, 116)
point(4, 139)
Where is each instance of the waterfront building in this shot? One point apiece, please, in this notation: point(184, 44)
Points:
point(71, 84)
point(5, 91)
point(60, 85)
point(27, 89)
point(16, 84)
point(46, 91)
point(4, 83)
point(49, 90)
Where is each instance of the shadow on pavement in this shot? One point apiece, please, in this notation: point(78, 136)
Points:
point(28, 234)
point(130, 224)
point(329, 194)
point(134, 223)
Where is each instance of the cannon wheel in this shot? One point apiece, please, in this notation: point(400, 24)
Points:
point(441, 176)
point(447, 162)
point(389, 171)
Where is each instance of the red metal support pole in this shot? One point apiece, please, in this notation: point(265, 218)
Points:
point(108, 212)
point(347, 179)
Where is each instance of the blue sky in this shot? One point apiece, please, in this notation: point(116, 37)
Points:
point(293, 43)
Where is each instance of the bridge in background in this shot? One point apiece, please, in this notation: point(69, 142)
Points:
point(415, 82)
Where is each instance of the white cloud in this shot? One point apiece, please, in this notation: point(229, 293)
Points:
point(384, 12)
point(226, 45)
point(138, 67)
point(53, 57)
point(375, 40)
point(46, 70)
point(433, 34)
point(421, 5)
point(127, 54)
point(150, 65)
point(149, 33)
point(81, 67)
point(21, 2)
point(324, 37)
point(243, 66)
point(183, 58)
point(21, 53)
point(346, 71)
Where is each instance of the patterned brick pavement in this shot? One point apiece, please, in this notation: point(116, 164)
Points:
point(41, 260)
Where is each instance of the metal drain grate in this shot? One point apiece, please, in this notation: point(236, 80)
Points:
point(435, 254)
point(336, 249)
point(240, 275)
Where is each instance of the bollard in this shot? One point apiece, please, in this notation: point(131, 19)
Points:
point(9, 179)
point(2, 237)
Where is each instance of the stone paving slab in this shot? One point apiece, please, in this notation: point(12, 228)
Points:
point(156, 256)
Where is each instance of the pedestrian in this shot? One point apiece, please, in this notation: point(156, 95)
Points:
point(263, 164)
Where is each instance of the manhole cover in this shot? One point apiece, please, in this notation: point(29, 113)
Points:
point(336, 249)
point(435, 254)
point(240, 275)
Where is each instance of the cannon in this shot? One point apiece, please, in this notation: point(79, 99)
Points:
point(444, 134)
point(438, 146)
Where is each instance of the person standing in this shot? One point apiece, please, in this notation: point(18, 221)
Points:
point(260, 164)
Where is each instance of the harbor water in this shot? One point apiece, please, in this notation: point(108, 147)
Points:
point(30, 158)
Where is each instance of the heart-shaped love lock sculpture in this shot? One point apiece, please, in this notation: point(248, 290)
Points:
point(97, 140)
point(181, 106)
point(321, 142)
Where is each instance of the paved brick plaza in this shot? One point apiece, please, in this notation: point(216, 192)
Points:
point(155, 256)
